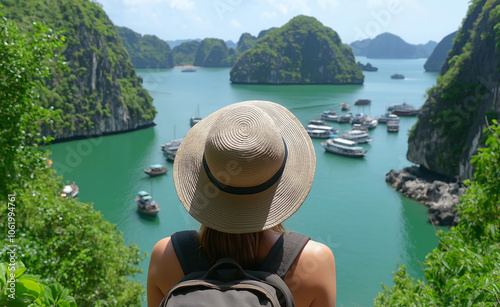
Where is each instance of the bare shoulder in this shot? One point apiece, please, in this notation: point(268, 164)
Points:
point(312, 279)
point(315, 258)
point(163, 259)
point(164, 271)
point(317, 250)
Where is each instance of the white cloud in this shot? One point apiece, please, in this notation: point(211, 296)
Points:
point(325, 4)
point(137, 2)
point(183, 5)
point(287, 7)
point(268, 15)
point(384, 4)
point(234, 23)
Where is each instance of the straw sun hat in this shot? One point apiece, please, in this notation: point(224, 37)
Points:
point(245, 168)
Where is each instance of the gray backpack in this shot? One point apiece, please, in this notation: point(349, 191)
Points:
point(226, 283)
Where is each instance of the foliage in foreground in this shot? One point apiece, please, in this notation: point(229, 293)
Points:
point(68, 248)
point(19, 289)
point(464, 270)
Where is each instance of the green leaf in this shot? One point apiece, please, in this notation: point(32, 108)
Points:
point(28, 287)
point(19, 272)
point(3, 274)
point(49, 295)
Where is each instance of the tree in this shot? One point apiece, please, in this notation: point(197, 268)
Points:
point(25, 60)
point(464, 269)
point(69, 249)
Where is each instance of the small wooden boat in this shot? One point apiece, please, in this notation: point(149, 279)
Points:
point(346, 107)
point(169, 149)
point(195, 119)
point(397, 76)
point(188, 69)
point(156, 170)
point(146, 204)
point(362, 102)
point(70, 190)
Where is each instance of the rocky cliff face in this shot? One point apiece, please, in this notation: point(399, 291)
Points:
point(100, 92)
point(450, 124)
point(438, 56)
point(301, 52)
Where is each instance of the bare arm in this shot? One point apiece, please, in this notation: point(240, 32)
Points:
point(163, 273)
point(312, 279)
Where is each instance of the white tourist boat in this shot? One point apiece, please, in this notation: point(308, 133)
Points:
point(319, 133)
point(358, 118)
point(343, 147)
point(385, 117)
point(393, 123)
point(357, 136)
point(345, 118)
point(329, 115)
point(317, 124)
point(369, 123)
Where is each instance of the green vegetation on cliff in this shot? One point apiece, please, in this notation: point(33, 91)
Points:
point(185, 52)
point(100, 91)
point(302, 51)
point(247, 41)
point(213, 52)
point(464, 269)
point(61, 251)
point(460, 118)
point(146, 51)
point(452, 119)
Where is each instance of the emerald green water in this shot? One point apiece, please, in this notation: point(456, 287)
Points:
point(370, 227)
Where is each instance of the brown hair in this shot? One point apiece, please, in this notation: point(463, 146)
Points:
point(241, 247)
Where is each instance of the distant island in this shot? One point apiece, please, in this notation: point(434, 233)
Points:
point(303, 51)
point(438, 56)
point(390, 46)
point(367, 67)
point(149, 51)
point(146, 51)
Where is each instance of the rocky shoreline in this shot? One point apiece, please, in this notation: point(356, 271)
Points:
point(92, 135)
point(438, 194)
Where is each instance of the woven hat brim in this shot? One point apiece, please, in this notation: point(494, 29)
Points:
point(245, 213)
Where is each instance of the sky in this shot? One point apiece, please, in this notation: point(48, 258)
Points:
point(415, 21)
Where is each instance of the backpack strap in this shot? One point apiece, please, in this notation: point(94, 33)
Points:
point(283, 253)
point(281, 257)
point(188, 251)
